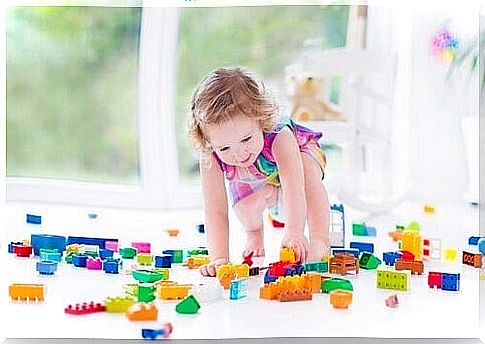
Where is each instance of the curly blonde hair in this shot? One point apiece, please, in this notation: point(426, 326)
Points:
point(223, 94)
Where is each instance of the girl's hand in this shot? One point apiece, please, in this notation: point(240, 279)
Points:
point(299, 243)
point(211, 268)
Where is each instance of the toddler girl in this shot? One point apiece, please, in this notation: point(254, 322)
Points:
point(267, 163)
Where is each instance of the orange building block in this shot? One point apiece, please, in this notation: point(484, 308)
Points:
point(142, 311)
point(295, 295)
point(196, 261)
point(411, 241)
point(28, 292)
point(340, 298)
point(395, 235)
point(315, 281)
point(343, 263)
point(416, 267)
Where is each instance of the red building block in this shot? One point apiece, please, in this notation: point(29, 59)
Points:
point(22, 250)
point(434, 279)
point(407, 256)
point(84, 308)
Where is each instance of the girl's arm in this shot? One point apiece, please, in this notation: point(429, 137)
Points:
point(290, 166)
point(216, 213)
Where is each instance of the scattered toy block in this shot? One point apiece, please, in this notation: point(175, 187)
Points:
point(450, 281)
point(144, 259)
point(142, 312)
point(287, 254)
point(434, 279)
point(198, 251)
point(94, 264)
point(146, 276)
point(118, 304)
point(227, 272)
point(196, 261)
point(362, 246)
point(39, 241)
point(472, 259)
point(238, 288)
point(189, 305)
point(173, 232)
point(318, 266)
point(165, 272)
point(79, 260)
point(146, 292)
point(429, 209)
point(141, 247)
point(46, 267)
point(163, 261)
point(127, 252)
point(295, 295)
point(164, 331)
point(22, 250)
point(112, 265)
point(177, 255)
point(105, 253)
point(353, 251)
point(200, 228)
point(481, 246)
point(340, 298)
point(413, 226)
point(450, 254)
point(432, 248)
point(390, 258)
point(416, 267)
point(173, 291)
point(50, 254)
point(411, 241)
point(100, 242)
point(27, 292)
point(392, 301)
point(33, 219)
point(396, 280)
point(248, 259)
point(368, 261)
point(359, 229)
point(343, 263)
point(84, 308)
point(111, 245)
point(473, 240)
point(331, 284)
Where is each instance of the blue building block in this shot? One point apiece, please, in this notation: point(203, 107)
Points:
point(39, 241)
point(481, 246)
point(45, 254)
point(79, 260)
point(200, 228)
point(93, 216)
point(163, 261)
point(450, 281)
point(352, 251)
point(105, 253)
point(371, 231)
point(473, 240)
point(46, 267)
point(295, 270)
point(239, 288)
point(362, 246)
point(34, 219)
point(268, 278)
point(12, 244)
point(390, 258)
point(89, 241)
point(112, 266)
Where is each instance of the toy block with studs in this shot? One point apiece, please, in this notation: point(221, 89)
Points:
point(343, 263)
point(85, 308)
point(142, 312)
point(27, 292)
point(340, 298)
point(189, 305)
point(396, 280)
point(119, 304)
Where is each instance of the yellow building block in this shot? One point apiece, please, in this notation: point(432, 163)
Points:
point(144, 259)
point(287, 254)
point(429, 209)
point(449, 254)
point(119, 304)
point(227, 272)
point(411, 241)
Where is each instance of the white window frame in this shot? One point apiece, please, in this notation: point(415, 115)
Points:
point(160, 186)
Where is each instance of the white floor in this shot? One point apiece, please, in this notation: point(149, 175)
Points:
point(422, 312)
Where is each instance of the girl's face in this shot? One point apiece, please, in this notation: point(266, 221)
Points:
point(237, 142)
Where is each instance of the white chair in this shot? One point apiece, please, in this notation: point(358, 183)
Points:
point(366, 96)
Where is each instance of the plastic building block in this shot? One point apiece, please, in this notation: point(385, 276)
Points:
point(269, 278)
point(101, 242)
point(254, 271)
point(141, 247)
point(337, 226)
point(362, 246)
point(226, 273)
point(165, 272)
point(127, 252)
point(177, 255)
point(249, 260)
point(207, 292)
point(413, 226)
point(287, 254)
point(12, 245)
point(147, 276)
point(22, 250)
point(105, 253)
point(92, 215)
point(295, 295)
point(359, 229)
point(111, 265)
point(481, 246)
point(79, 260)
point(431, 248)
point(340, 298)
point(396, 280)
point(144, 259)
point(473, 240)
point(200, 228)
point(39, 241)
point(429, 209)
point(390, 257)
point(163, 261)
point(238, 289)
point(84, 308)
point(111, 245)
point(142, 312)
point(450, 254)
point(164, 331)
point(189, 305)
point(472, 259)
point(46, 267)
point(146, 292)
point(320, 266)
point(94, 264)
point(395, 235)
point(50, 254)
point(343, 263)
point(173, 291)
point(173, 232)
point(416, 267)
point(450, 281)
point(392, 301)
point(371, 231)
point(118, 304)
point(197, 251)
point(196, 261)
point(331, 284)
point(407, 256)
point(434, 279)
point(411, 241)
point(368, 261)
point(352, 251)
point(27, 292)
point(33, 219)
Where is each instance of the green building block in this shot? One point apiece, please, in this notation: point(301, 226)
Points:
point(359, 229)
point(318, 266)
point(178, 256)
point(368, 261)
point(413, 226)
point(336, 283)
point(395, 280)
point(196, 251)
point(144, 259)
point(146, 292)
point(399, 228)
point(127, 252)
point(68, 257)
point(118, 304)
point(189, 305)
point(165, 272)
point(146, 276)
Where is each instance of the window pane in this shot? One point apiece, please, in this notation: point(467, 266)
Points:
point(262, 39)
point(72, 93)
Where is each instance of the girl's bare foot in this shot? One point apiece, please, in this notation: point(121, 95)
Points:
point(254, 243)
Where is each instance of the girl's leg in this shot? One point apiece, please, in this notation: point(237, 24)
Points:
point(318, 208)
point(250, 213)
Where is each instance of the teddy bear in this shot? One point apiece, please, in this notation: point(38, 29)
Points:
point(309, 99)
